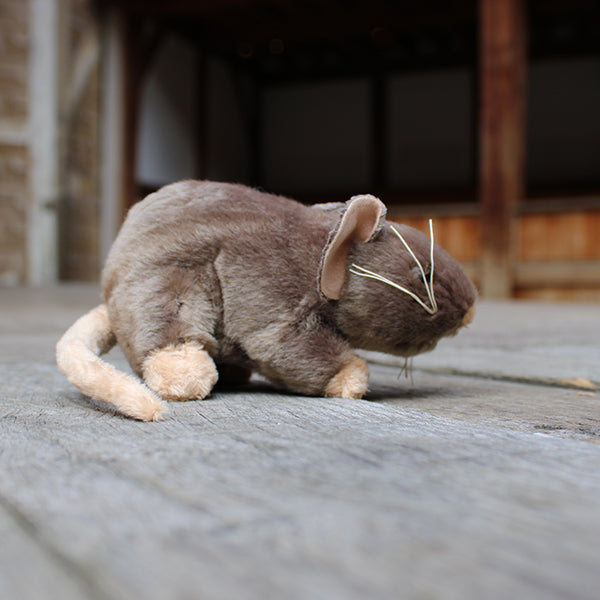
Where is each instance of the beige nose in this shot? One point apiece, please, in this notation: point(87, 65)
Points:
point(469, 317)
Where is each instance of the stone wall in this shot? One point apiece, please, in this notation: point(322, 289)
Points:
point(14, 151)
point(77, 144)
point(79, 216)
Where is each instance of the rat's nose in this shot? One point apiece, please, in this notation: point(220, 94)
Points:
point(468, 318)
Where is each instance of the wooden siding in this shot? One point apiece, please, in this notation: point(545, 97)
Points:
point(557, 254)
point(560, 236)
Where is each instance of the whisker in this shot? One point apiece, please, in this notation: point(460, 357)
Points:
point(432, 297)
point(428, 285)
point(362, 272)
point(407, 369)
point(404, 369)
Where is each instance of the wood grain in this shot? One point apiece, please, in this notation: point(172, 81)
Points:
point(449, 487)
point(566, 236)
point(503, 76)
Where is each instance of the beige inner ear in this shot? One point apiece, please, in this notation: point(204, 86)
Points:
point(359, 223)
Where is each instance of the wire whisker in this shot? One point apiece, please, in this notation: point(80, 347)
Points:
point(431, 262)
point(362, 272)
point(414, 256)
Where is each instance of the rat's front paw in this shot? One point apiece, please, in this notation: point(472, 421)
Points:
point(184, 372)
point(350, 381)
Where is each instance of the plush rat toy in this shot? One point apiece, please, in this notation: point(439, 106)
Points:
point(209, 280)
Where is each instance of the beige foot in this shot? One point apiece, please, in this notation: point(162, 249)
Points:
point(350, 381)
point(183, 372)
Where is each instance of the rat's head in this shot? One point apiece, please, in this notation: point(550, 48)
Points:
point(397, 291)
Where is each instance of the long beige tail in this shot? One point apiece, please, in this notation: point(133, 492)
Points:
point(77, 356)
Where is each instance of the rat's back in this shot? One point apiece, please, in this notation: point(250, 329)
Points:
point(191, 221)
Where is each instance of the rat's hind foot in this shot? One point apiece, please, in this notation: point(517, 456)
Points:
point(182, 372)
point(350, 381)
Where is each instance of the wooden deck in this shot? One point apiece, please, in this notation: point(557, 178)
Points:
point(480, 479)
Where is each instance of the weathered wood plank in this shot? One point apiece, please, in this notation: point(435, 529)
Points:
point(28, 569)
point(557, 411)
point(450, 488)
point(258, 495)
point(524, 341)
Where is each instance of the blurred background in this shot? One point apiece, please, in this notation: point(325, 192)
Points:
point(483, 114)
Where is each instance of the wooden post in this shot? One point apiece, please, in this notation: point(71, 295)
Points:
point(46, 18)
point(112, 151)
point(503, 57)
point(132, 81)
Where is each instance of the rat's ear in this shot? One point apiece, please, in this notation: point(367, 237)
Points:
point(360, 222)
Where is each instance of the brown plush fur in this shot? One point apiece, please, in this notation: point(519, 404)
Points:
point(258, 281)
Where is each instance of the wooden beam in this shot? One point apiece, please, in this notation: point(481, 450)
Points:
point(565, 273)
point(502, 31)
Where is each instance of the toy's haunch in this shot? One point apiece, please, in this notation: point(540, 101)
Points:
point(208, 279)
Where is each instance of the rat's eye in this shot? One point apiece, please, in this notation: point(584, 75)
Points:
point(416, 273)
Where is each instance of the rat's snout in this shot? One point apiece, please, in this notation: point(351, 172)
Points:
point(468, 318)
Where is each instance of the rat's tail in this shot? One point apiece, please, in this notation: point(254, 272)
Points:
point(77, 356)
